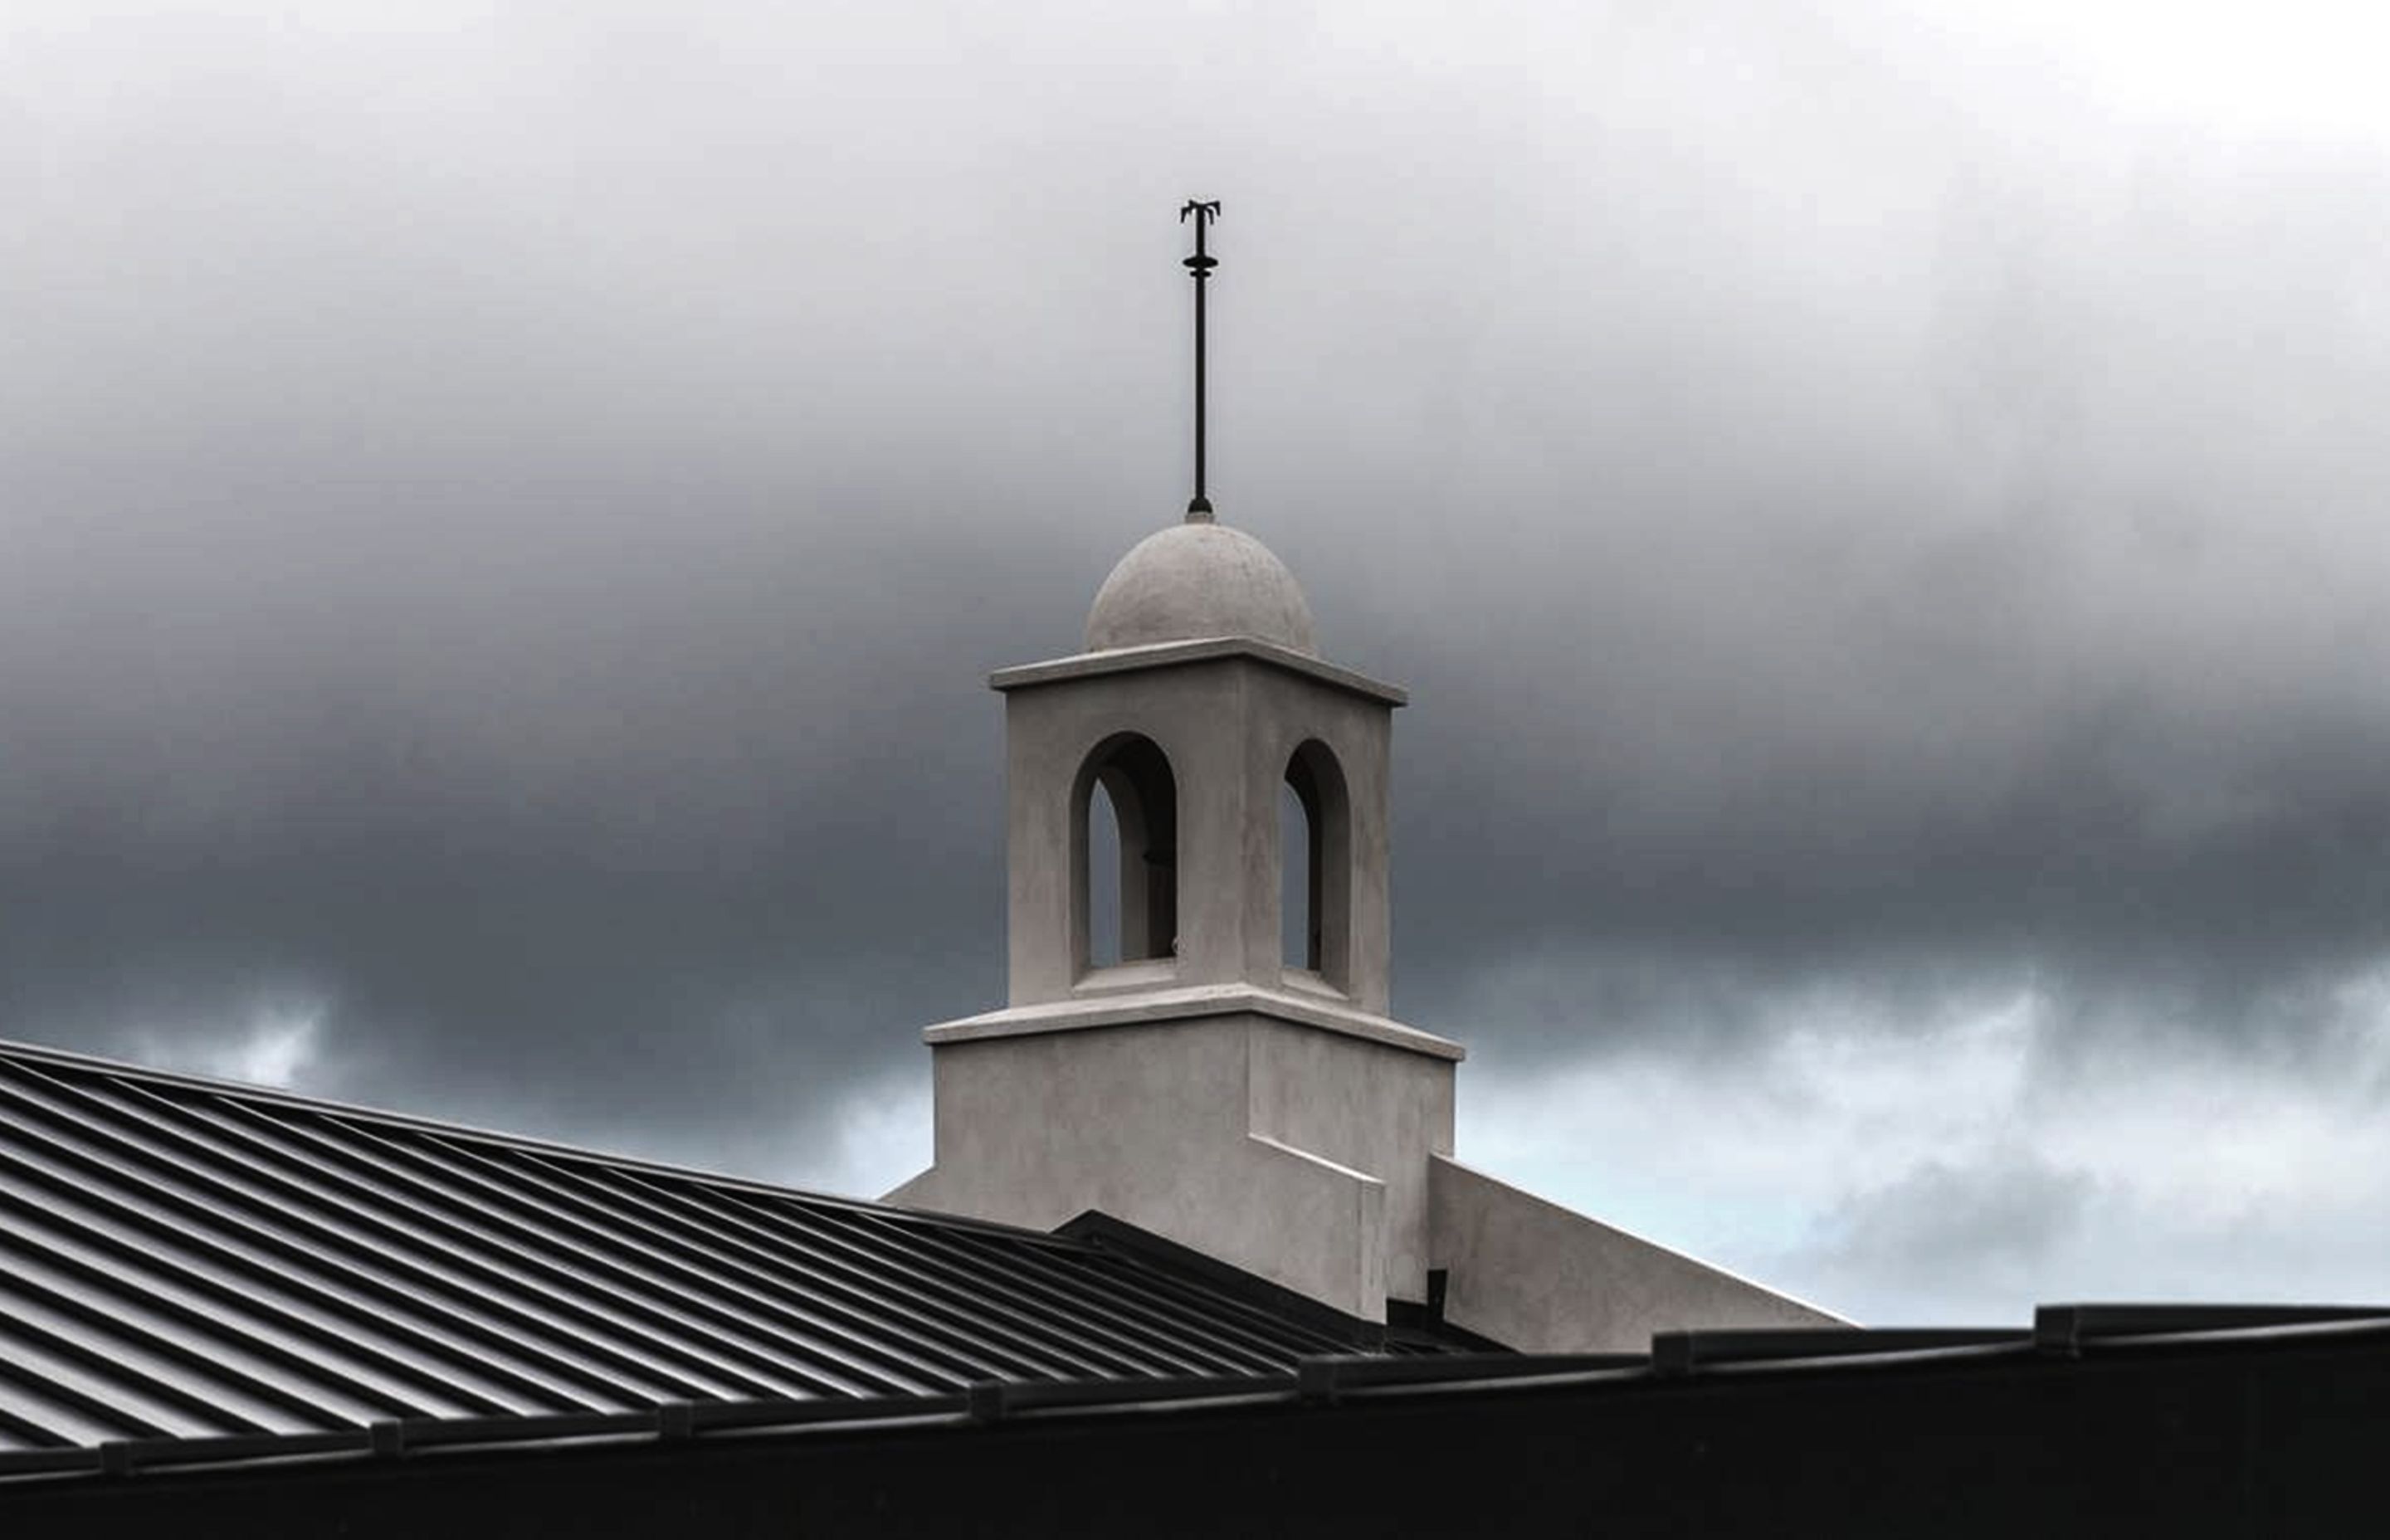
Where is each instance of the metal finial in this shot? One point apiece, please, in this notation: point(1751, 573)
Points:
point(1198, 508)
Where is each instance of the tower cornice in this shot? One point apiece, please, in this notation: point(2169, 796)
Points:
point(1193, 1003)
point(1123, 660)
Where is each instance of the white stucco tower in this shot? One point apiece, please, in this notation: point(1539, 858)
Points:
point(1261, 1109)
point(1200, 694)
point(1206, 1087)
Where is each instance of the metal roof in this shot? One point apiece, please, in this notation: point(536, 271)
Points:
point(194, 1273)
point(2060, 1336)
point(195, 1264)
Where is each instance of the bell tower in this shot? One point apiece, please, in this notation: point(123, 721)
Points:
point(1199, 698)
point(1209, 1084)
point(1212, 1084)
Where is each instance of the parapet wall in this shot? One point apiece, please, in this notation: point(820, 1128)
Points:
point(1291, 1152)
point(1542, 1278)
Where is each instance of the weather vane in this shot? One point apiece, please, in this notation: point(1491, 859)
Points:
point(1198, 508)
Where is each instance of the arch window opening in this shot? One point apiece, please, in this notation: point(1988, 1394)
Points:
point(1128, 868)
point(1315, 864)
point(1298, 888)
point(1103, 889)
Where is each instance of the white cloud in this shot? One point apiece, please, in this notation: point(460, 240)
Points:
point(881, 1137)
point(280, 1045)
point(1975, 1168)
point(2296, 65)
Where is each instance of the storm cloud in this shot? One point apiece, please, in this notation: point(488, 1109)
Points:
point(505, 514)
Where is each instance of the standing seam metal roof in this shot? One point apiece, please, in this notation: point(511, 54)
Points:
point(188, 1259)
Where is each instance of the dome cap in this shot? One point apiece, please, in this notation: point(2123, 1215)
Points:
point(1196, 580)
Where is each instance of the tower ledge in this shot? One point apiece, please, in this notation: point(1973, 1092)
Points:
point(1192, 1004)
point(1123, 660)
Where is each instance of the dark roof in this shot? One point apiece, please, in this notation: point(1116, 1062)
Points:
point(1937, 1404)
point(195, 1275)
point(191, 1263)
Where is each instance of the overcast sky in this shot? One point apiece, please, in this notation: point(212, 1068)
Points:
point(506, 511)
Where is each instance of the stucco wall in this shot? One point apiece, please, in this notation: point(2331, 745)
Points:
point(1539, 1277)
point(1364, 1105)
point(1281, 1149)
point(1228, 725)
point(1317, 1158)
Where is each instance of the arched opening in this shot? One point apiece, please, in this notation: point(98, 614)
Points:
point(1126, 816)
point(1315, 865)
point(1102, 872)
point(1298, 902)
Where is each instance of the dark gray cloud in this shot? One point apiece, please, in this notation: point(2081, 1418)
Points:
point(505, 518)
point(1943, 1228)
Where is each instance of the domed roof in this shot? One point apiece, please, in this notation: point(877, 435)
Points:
point(1200, 580)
